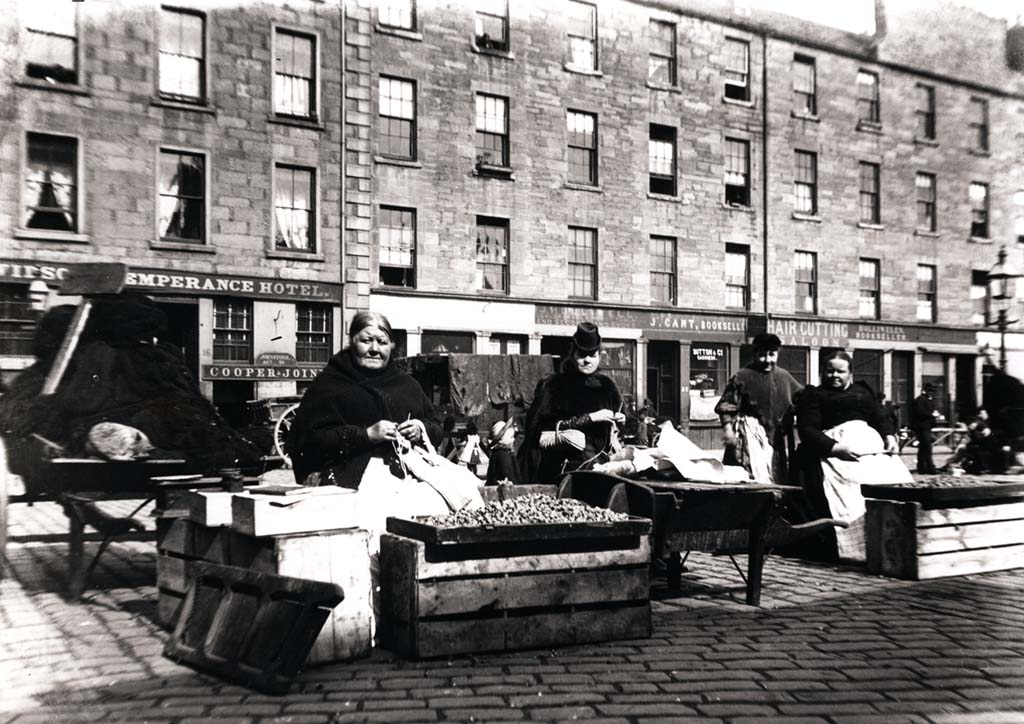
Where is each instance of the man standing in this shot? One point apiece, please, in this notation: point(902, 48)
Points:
point(923, 420)
point(756, 412)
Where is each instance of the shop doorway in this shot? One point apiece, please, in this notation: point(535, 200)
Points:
point(229, 398)
point(663, 378)
point(933, 371)
point(966, 394)
point(903, 383)
point(183, 331)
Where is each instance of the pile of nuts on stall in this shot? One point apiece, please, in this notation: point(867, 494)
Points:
point(945, 480)
point(527, 510)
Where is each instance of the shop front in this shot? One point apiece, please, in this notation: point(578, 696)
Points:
point(244, 337)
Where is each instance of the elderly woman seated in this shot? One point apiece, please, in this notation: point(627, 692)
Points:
point(846, 440)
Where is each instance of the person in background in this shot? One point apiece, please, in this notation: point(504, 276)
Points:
point(891, 412)
point(756, 412)
point(503, 465)
point(578, 397)
point(923, 420)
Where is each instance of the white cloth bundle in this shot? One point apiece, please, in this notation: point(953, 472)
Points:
point(568, 436)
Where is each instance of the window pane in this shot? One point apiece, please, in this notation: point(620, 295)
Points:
point(294, 209)
point(492, 254)
point(314, 325)
point(396, 13)
point(181, 53)
point(293, 89)
point(709, 370)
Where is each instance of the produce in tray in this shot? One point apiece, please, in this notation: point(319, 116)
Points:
point(527, 510)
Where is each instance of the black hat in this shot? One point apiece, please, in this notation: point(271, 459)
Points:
point(587, 338)
point(766, 340)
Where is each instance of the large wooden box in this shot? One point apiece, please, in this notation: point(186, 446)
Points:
point(917, 532)
point(331, 556)
point(324, 508)
point(501, 590)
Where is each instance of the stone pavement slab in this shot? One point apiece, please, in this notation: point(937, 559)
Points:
point(829, 645)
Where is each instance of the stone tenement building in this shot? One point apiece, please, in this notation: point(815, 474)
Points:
point(489, 173)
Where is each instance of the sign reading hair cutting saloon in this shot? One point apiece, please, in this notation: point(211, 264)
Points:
point(810, 332)
point(252, 372)
point(159, 280)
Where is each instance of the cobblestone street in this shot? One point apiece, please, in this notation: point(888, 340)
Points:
point(829, 645)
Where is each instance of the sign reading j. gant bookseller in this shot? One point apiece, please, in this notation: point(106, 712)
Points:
point(653, 323)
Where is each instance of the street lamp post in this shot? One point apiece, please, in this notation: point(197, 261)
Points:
point(1002, 293)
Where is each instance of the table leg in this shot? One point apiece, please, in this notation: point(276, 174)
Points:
point(755, 558)
point(76, 574)
point(675, 571)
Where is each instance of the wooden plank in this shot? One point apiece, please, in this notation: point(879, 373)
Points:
point(559, 588)
point(172, 572)
point(944, 539)
point(890, 538)
point(174, 535)
point(264, 515)
point(168, 607)
point(973, 514)
point(398, 599)
point(960, 563)
point(945, 495)
point(544, 562)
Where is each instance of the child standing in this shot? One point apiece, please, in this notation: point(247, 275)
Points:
point(503, 465)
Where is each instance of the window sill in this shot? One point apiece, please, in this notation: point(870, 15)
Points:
point(742, 208)
point(493, 52)
point(872, 226)
point(492, 293)
point(569, 67)
point(979, 239)
point(806, 217)
point(663, 197)
point(809, 117)
point(389, 161)
point(68, 88)
point(198, 248)
point(301, 255)
point(869, 127)
point(921, 141)
point(981, 153)
point(596, 189)
point(398, 32)
point(57, 236)
point(927, 233)
point(297, 122)
point(736, 102)
point(499, 172)
point(666, 87)
point(180, 106)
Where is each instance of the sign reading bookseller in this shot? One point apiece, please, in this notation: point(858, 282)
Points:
point(254, 372)
point(652, 323)
point(175, 282)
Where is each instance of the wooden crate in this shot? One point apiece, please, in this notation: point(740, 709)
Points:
point(333, 556)
point(909, 540)
point(468, 596)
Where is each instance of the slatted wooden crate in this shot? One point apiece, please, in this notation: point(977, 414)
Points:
point(917, 532)
point(332, 556)
point(500, 589)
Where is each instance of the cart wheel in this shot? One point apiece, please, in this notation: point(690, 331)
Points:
point(281, 428)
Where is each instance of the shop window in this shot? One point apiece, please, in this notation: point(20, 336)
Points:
point(737, 172)
point(978, 195)
point(51, 183)
point(582, 263)
point(661, 62)
point(51, 43)
point(17, 320)
point(401, 339)
point(925, 112)
point(663, 269)
point(509, 344)
point(492, 254)
point(397, 14)
point(869, 303)
point(182, 213)
point(924, 185)
point(314, 328)
point(805, 93)
point(805, 183)
point(555, 346)
point(182, 55)
point(709, 371)
point(294, 208)
point(979, 124)
point(867, 367)
point(868, 110)
point(396, 104)
point(618, 363)
point(933, 370)
point(397, 247)
point(805, 270)
point(737, 69)
point(491, 131)
point(582, 133)
point(232, 330)
point(737, 276)
point(661, 160)
point(445, 342)
point(295, 71)
point(979, 297)
point(926, 297)
point(582, 35)
point(870, 206)
point(492, 24)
